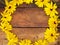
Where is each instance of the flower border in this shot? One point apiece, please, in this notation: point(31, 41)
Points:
point(50, 35)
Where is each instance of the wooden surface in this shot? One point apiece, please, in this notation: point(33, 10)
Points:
point(25, 33)
point(28, 22)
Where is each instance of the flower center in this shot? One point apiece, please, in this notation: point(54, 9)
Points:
point(51, 9)
point(42, 0)
point(9, 7)
point(54, 22)
point(59, 17)
point(52, 35)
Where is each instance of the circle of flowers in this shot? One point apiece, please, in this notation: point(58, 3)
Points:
point(50, 35)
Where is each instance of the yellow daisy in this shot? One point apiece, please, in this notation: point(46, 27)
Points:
point(41, 3)
point(53, 22)
point(28, 1)
point(46, 2)
point(6, 17)
point(25, 42)
point(6, 26)
point(50, 9)
point(18, 2)
point(51, 34)
point(9, 35)
point(10, 7)
point(41, 42)
point(12, 39)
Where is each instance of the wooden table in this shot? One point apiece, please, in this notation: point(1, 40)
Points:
point(29, 22)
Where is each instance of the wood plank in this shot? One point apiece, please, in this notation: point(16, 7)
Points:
point(30, 17)
point(24, 33)
point(27, 5)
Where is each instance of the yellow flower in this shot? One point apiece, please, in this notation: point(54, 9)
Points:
point(50, 9)
point(13, 40)
point(53, 22)
point(46, 2)
point(6, 17)
point(41, 3)
point(28, 1)
point(18, 2)
point(25, 42)
point(10, 35)
point(5, 26)
point(10, 7)
point(41, 42)
point(51, 34)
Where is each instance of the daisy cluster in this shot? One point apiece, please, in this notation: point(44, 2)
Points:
point(51, 33)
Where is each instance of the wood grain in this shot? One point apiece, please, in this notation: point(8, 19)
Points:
point(24, 33)
point(30, 17)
